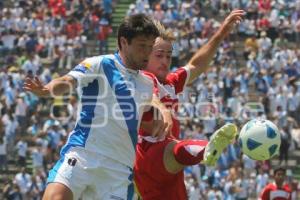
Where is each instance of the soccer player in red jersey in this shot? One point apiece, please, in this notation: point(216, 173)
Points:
point(158, 171)
point(277, 190)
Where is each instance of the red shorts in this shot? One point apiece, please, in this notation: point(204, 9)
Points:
point(153, 181)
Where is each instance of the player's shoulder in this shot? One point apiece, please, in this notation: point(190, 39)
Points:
point(148, 74)
point(175, 74)
point(287, 187)
point(177, 71)
point(108, 57)
point(270, 186)
point(91, 61)
point(96, 60)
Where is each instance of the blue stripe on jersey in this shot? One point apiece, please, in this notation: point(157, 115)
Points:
point(124, 98)
point(80, 68)
point(117, 55)
point(83, 126)
point(53, 171)
point(130, 189)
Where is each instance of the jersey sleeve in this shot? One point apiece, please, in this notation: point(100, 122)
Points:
point(86, 71)
point(265, 194)
point(179, 78)
point(157, 87)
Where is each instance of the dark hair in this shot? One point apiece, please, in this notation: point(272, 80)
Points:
point(278, 169)
point(137, 25)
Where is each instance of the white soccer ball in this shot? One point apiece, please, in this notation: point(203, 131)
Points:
point(260, 139)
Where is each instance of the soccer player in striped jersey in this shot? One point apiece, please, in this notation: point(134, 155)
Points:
point(97, 160)
point(158, 171)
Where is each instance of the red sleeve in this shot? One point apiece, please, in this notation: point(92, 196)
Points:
point(178, 79)
point(155, 82)
point(287, 188)
point(265, 194)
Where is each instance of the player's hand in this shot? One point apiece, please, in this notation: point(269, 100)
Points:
point(36, 86)
point(162, 126)
point(234, 18)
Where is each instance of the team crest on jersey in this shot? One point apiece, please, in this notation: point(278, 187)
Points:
point(83, 67)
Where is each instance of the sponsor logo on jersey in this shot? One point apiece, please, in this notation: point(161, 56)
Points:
point(83, 67)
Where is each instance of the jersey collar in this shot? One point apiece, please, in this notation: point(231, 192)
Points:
point(131, 71)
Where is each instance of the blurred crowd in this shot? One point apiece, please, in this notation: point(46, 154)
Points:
point(55, 29)
point(44, 39)
point(258, 63)
point(255, 74)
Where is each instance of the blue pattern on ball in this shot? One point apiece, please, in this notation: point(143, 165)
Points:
point(252, 144)
point(272, 149)
point(270, 132)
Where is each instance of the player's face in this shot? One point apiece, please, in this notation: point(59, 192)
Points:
point(138, 51)
point(160, 59)
point(279, 177)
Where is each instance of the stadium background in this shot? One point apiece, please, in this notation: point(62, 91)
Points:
point(259, 62)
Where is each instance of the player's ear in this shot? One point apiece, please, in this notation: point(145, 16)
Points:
point(123, 42)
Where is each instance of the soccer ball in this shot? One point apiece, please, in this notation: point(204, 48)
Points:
point(260, 139)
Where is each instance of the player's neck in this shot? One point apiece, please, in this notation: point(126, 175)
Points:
point(125, 62)
point(121, 58)
point(279, 185)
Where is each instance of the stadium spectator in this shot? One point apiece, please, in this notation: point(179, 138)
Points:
point(279, 189)
point(22, 148)
point(23, 181)
point(3, 149)
point(104, 31)
point(11, 190)
point(285, 145)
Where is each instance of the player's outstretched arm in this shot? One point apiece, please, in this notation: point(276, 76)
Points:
point(56, 87)
point(200, 61)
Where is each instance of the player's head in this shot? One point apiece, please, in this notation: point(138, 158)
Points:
point(279, 175)
point(136, 36)
point(161, 56)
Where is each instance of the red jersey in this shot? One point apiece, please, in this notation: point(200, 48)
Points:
point(272, 192)
point(153, 181)
point(175, 83)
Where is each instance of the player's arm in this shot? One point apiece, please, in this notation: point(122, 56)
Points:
point(147, 121)
point(56, 87)
point(200, 61)
point(158, 120)
point(64, 84)
point(160, 127)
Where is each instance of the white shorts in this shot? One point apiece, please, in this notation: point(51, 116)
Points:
point(93, 176)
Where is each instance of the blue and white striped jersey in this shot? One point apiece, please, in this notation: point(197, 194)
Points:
point(112, 99)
